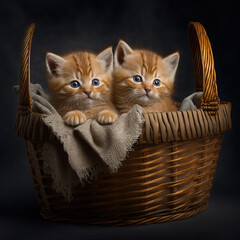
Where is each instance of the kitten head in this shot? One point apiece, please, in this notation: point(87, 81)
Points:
point(79, 80)
point(142, 77)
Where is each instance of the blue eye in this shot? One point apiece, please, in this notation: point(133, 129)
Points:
point(95, 82)
point(74, 84)
point(137, 78)
point(156, 82)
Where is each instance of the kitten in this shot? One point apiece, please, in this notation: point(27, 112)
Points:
point(79, 84)
point(144, 78)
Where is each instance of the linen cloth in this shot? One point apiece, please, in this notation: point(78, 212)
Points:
point(85, 151)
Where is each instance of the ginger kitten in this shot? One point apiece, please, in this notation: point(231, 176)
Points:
point(79, 84)
point(144, 78)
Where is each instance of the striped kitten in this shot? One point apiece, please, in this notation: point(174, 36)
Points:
point(144, 78)
point(80, 86)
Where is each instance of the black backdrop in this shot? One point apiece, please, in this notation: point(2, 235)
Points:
point(161, 26)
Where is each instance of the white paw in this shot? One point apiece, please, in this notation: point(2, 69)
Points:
point(74, 118)
point(107, 117)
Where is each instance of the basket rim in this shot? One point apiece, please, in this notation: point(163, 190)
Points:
point(158, 127)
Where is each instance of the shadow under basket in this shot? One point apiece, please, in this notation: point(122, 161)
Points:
point(169, 174)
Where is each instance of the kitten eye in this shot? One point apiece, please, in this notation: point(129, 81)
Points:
point(156, 82)
point(74, 84)
point(137, 78)
point(95, 82)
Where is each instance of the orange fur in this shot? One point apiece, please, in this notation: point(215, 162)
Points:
point(86, 101)
point(149, 66)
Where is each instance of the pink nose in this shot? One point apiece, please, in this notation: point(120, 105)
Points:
point(147, 90)
point(87, 92)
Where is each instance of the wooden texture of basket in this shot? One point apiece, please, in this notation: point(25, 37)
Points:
point(169, 174)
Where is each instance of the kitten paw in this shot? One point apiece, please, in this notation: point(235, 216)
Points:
point(106, 117)
point(74, 118)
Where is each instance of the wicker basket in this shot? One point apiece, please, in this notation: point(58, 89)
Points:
point(169, 174)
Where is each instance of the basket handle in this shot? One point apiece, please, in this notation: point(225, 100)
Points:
point(25, 104)
point(204, 67)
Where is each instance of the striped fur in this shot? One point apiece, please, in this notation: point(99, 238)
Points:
point(149, 66)
point(87, 101)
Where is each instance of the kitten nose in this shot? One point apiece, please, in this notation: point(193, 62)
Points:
point(87, 92)
point(147, 90)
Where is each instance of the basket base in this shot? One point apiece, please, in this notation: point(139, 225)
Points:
point(139, 220)
point(168, 182)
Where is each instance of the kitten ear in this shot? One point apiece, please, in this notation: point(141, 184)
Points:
point(106, 56)
point(121, 52)
point(171, 63)
point(53, 63)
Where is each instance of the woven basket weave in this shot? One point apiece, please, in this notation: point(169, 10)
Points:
point(169, 174)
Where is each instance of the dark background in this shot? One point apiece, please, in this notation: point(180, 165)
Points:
point(161, 26)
